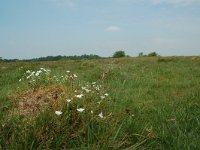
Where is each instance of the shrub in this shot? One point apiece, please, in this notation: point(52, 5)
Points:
point(141, 54)
point(152, 54)
point(119, 54)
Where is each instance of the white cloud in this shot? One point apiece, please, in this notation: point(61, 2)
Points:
point(184, 2)
point(113, 29)
point(156, 2)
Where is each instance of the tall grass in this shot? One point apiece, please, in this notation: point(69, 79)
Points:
point(153, 103)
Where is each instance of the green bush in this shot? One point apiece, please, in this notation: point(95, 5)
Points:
point(119, 54)
point(141, 54)
point(152, 54)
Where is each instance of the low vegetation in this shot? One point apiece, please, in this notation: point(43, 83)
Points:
point(126, 103)
point(119, 54)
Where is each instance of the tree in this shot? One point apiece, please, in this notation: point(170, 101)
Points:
point(152, 54)
point(141, 54)
point(119, 54)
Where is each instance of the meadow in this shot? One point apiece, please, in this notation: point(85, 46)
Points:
point(122, 103)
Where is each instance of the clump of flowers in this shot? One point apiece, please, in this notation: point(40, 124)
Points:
point(80, 97)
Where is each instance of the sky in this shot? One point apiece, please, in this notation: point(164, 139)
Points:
point(37, 28)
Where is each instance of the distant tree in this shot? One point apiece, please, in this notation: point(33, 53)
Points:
point(152, 54)
point(119, 54)
point(141, 54)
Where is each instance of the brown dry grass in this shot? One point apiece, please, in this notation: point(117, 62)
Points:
point(30, 102)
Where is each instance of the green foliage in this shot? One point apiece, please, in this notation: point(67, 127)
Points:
point(152, 54)
point(119, 54)
point(141, 54)
point(55, 58)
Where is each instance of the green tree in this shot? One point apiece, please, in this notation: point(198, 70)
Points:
point(141, 54)
point(152, 54)
point(119, 54)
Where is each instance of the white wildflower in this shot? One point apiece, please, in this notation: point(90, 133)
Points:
point(85, 89)
point(79, 96)
point(20, 80)
point(93, 83)
point(43, 69)
point(58, 113)
point(101, 115)
point(38, 73)
point(68, 71)
point(91, 111)
point(102, 97)
point(97, 88)
point(80, 109)
point(75, 76)
point(106, 94)
point(32, 74)
point(28, 71)
point(68, 100)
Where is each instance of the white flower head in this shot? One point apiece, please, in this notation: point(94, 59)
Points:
point(28, 71)
point(87, 90)
point(37, 73)
point(101, 115)
point(103, 97)
point(68, 71)
point(80, 109)
point(93, 83)
point(97, 88)
point(106, 94)
point(75, 76)
point(58, 113)
point(79, 96)
point(83, 88)
point(68, 100)
point(20, 80)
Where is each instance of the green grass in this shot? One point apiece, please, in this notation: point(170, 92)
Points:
point(153, 103)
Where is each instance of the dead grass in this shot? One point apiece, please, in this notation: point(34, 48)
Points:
point(30, 102)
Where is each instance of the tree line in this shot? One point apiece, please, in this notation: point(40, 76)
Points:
point(54, 58)
point(117, 54)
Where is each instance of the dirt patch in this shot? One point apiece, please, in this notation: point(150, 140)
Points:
point(35, 100)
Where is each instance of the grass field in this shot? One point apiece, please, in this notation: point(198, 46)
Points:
point(127, 103)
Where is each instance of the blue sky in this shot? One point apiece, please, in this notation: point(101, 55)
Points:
point(35, 28)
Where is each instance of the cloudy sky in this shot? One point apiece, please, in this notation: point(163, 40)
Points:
point(35, 28)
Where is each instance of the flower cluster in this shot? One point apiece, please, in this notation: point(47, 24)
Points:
point(45, 76)
point(84, 97)
point(89, 99)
